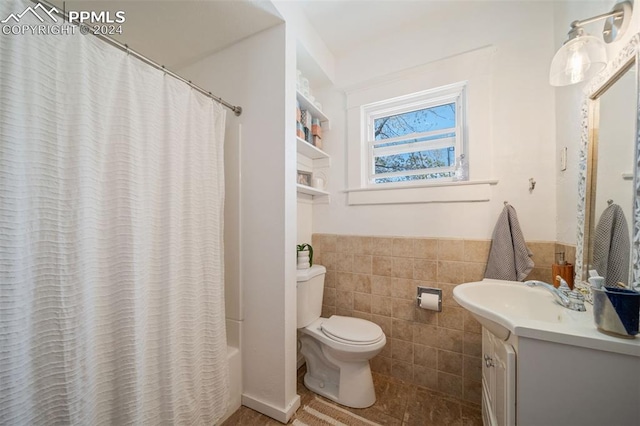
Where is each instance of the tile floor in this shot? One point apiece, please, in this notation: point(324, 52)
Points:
point(398, 403)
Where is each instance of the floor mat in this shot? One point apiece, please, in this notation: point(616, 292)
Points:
point(321, 413)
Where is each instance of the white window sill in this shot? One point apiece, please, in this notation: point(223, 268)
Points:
point(441, 192)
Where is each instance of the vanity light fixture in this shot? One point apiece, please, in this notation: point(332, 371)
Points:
point(583, 56)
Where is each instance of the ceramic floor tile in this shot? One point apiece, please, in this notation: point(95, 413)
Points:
point(301, 372)
point(305, 394)
point(392, 395)
point(429, 409)
point(471, 416)
point(397, 403)
point(248, 417)
point(375, 415)
point(234, 419)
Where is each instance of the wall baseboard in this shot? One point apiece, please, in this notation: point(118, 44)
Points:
point(267, 409)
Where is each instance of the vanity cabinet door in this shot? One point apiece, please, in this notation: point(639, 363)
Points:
point(488, 379)
point(504, 365)
point(498, 381)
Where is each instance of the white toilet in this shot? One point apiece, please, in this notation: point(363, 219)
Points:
point(337, 349)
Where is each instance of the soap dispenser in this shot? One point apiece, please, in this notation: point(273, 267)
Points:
point(563, 269)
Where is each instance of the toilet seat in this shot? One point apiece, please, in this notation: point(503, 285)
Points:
point(352, 331)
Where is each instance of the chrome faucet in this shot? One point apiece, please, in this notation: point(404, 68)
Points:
point(566, 297)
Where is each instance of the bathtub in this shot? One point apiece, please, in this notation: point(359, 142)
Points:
point(235, 381)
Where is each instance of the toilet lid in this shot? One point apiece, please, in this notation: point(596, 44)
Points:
point(351, 330)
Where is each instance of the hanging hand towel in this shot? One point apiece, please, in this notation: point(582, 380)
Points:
point(509, 257)
point(611, 246)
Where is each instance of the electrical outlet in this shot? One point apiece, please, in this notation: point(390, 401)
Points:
point(563, 159)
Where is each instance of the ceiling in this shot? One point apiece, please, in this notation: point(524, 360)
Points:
point(346, 24)
point(176, 33)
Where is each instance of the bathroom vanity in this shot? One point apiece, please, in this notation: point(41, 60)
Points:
point(546, 365)
point(498, 380)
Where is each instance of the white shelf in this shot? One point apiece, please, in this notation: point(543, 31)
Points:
point(318, 157)
point(305, 103)
point(309, 151)
point(304, 189)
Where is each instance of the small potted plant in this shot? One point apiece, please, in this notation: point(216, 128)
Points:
point(305, 256)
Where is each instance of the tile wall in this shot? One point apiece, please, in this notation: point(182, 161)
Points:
point(375, 278)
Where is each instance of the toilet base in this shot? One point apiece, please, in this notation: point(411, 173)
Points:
point(348, 383)
point(315, 385)
point(360, 393)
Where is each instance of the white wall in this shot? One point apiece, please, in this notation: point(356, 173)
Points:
point(313, 56)
point(522, 128)
point(568, 106)
point(317, 63)
point(305, 219)
point(261, 241)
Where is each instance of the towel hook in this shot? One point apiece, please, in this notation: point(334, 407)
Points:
point(609, 202)
point(532, 184)
point(506, 202)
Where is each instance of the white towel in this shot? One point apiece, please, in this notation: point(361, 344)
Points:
point(509, 257)
point(611, 246)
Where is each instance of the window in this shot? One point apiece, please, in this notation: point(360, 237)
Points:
point(414, 138)
point(416, 154)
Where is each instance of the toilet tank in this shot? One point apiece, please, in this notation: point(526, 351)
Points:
point(310, 289)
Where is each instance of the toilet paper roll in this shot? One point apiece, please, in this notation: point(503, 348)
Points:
point(429, 301)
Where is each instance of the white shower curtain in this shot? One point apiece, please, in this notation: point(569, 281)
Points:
point(111, 202)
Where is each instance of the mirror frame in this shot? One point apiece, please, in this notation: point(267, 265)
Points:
point(627, 58)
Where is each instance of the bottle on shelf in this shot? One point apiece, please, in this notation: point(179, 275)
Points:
point(461, 171)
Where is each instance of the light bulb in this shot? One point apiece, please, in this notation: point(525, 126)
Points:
point(576, 65)
point(579, 59)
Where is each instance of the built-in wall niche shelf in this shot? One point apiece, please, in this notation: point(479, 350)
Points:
point(310, 151)
point(304, 189)
point(310, 157)
point(305, 103)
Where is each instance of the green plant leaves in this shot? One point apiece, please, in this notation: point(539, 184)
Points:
point(303, 247)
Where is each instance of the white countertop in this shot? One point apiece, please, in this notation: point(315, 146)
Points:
point(533, 313)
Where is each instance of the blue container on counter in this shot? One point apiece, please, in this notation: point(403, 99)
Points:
point(616, 311)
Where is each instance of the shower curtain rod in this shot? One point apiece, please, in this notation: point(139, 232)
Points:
point(124, 47)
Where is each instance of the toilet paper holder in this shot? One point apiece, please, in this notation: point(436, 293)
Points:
point(429, 290)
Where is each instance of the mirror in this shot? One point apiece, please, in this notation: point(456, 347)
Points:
point(609, 176)
point(610, 172)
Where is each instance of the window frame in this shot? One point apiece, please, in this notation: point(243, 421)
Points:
point(455, 93)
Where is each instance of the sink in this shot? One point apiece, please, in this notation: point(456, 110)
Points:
point(508, 308)
point(550, 358)
point(502, 306)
